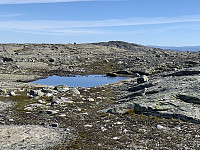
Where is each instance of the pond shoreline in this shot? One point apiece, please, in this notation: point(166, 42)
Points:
point(78, 80)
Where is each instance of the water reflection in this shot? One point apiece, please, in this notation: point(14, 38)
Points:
point(79, 81)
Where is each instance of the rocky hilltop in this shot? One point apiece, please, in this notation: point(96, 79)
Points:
point(156, 108)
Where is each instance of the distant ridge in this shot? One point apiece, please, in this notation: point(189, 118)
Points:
point(134, 46)
point(183, 48)
point(123, 45)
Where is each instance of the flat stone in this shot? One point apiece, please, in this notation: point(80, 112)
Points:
point(54, 124)
point(160, 127)
point(90, 99)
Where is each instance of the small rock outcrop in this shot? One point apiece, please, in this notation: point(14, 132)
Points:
point(61, 88)
point(35, 93)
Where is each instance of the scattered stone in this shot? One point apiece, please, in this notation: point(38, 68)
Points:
point(103, 128)
point(85, 113)
point(41, 102)
point(6, 59)
point(11, 120)
point(62, 115)
point(54, 124)
point(36, 105)
point(142, 79)
point(137, 58)
point(196, 136)
point(52, 60)
point(48, 91)
point(142, 93)
point(28, 109)
point(177, 128)
point(118, 123)
point(90, 99)
point(61, 88)
point(160, 127)
point(106, 60)
point(119, 62)
point(115, 138)
point(111, 74)
point(124, 130)
point(136, 75)
point(174, 69)
point(48, 112)
point(12, 93)
point(36, 93)
point(65, 100)
point(53, 99)
point(79, 109)
point(3, 91)
point(49, 94)
point(75, 91)
point(88, 126)
point(99, 98)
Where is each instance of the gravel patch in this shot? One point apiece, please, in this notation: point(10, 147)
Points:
point(29, 137)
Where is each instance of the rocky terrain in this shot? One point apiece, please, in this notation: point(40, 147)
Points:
point(156, 108)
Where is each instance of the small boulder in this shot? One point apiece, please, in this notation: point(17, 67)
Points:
point(53, 100)
point(142, 79)
point(137, 58)
point(3, 91)
point(47, 90)
point(41, 102)
point(6, 59)
point(90, 99)
point(61, 88)
point(28, 109)
point(142, 92)
point(52, 60)
point(12, 93)
point(10, 120)
point(177, 128)
point(49, 94)
point(36, 93)
point(160, 127)
point(75, 91)
point(136, 75)
point(51, 112)
point(111, 74)
point(54, 124)
point(62, 115)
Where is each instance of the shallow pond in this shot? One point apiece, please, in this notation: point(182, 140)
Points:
point(79, 81)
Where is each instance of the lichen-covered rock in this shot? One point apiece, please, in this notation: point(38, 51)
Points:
point(75, 91)
point(61, 88)
point(169, 97)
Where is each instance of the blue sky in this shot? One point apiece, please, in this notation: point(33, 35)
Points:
point(147, 22)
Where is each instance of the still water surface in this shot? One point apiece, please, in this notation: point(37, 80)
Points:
point(79, 81)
